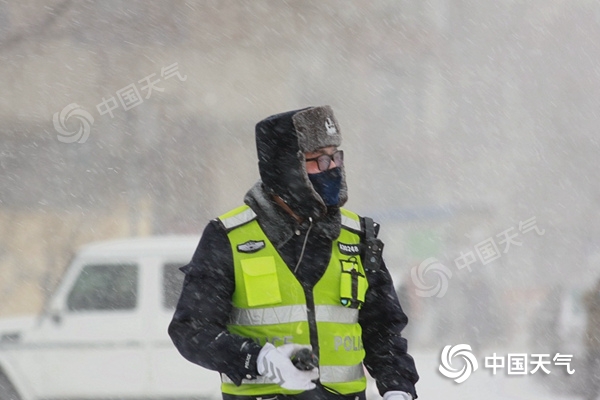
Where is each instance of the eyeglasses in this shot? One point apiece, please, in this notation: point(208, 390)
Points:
point(324, 160)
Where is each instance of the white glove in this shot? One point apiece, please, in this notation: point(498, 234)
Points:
point(397, 395)
point(275, 364)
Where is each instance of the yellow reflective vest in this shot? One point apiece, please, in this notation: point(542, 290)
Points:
point(270, 305)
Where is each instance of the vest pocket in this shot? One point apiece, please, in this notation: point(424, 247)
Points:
point(260, 281)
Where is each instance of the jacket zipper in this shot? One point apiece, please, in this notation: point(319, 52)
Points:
point(310, 301)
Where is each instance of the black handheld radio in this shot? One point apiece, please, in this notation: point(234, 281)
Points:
point(305, 360)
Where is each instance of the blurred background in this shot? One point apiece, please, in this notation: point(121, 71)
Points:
point(465, 123)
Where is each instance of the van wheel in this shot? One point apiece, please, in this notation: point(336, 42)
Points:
point(7, 390)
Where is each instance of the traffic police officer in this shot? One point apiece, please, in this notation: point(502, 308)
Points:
point(290, 270)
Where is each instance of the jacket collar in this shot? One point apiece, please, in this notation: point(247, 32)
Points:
point(279, 226)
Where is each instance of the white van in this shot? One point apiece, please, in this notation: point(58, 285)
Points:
point(104, 332)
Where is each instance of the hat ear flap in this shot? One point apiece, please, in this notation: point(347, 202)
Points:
point(343, 189)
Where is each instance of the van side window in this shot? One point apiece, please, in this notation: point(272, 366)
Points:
point(172, 284)
point(105, 287)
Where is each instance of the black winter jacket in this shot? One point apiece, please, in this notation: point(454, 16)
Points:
point(199, 332)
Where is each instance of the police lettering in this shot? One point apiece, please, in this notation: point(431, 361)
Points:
point(348, 343)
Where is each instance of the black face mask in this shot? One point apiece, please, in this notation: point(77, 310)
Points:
point(327, 184)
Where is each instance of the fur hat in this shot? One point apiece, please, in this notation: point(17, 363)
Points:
point(281, 141)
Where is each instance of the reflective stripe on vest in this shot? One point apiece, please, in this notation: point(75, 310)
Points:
point(268, 316)
point(350, 223)
point(295, 313)
point(230, 222)
point(269, 304)
point(327, 374)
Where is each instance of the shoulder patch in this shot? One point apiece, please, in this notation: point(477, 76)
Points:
point(251, 246)
point(349, 249)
